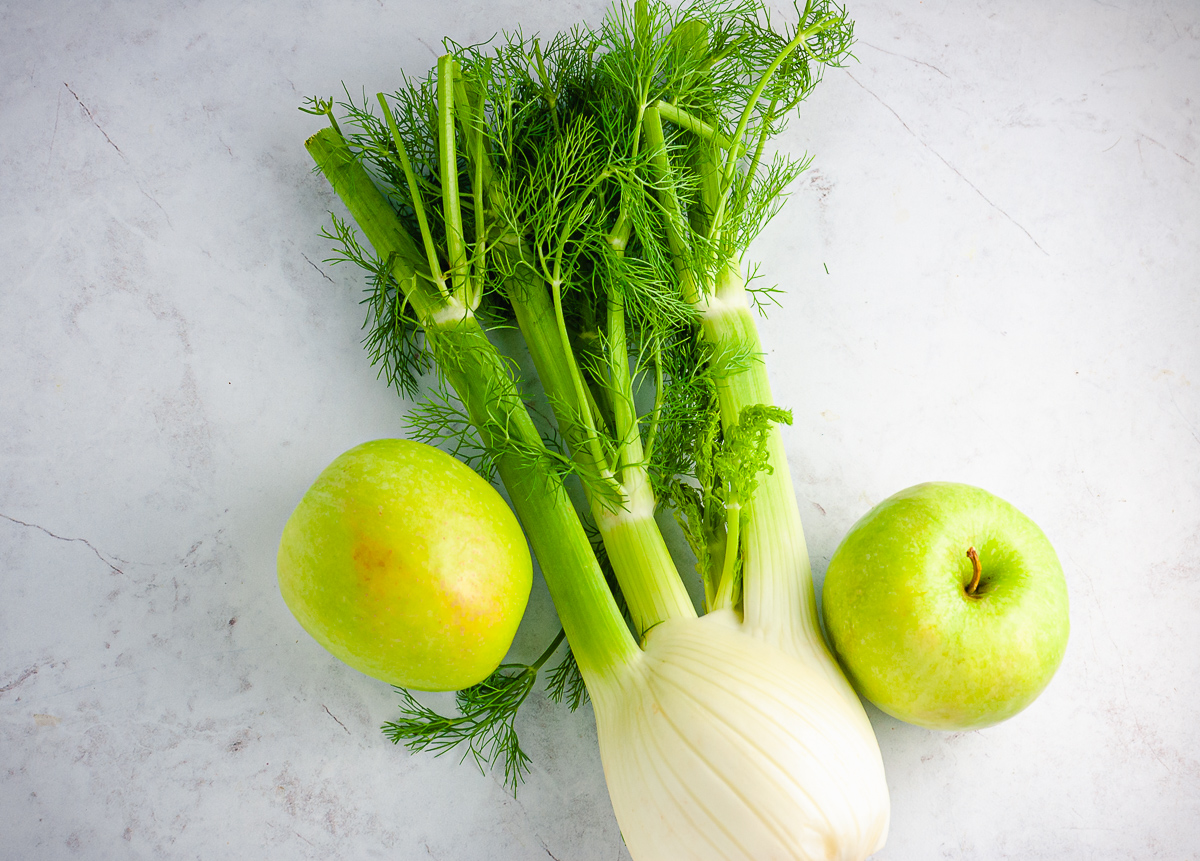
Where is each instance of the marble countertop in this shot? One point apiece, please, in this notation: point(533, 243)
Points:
point(992, 275)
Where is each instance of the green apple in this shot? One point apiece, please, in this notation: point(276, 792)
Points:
point(947, 607)
point(408, 566)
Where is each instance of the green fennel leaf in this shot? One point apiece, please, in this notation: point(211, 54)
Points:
point(744, 455)
point(393, 339)
point(486, 718)
point(485, 723)
point(442, 421)
point(565, 683)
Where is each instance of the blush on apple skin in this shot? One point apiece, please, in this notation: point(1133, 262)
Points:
point(406, 565)
point(918, 636)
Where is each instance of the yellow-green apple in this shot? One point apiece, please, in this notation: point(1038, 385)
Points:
point(408, 566)
point(947, 607)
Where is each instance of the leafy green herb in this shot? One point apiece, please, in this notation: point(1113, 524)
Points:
point(485, 721)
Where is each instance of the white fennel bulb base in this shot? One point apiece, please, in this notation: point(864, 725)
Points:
point(717, 745)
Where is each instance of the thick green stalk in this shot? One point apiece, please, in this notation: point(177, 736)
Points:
point(639, 555)
point(415, 195)
point(456, 249)
point(625, 425)
point(724, 599)
point(373, 214)
point(656, 145)
point(656, 410)
point(692, 123)
point(585, 415)
point(625, 516)
point(589, 614)
point(469, 111)
point(777, 587)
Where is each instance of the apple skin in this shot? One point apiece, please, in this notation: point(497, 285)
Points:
point(406, 565)
point(911, 639)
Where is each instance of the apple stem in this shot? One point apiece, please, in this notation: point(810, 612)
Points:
point(973, 555)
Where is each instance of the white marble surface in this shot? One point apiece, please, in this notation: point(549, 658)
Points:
point(1006, 198)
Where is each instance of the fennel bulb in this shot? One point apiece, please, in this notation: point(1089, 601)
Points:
point(719, 745)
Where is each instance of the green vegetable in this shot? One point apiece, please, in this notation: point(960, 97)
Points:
point(485, 720)
point(596, 194)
